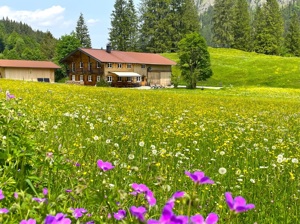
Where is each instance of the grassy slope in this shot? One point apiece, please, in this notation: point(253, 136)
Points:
point(239, 68)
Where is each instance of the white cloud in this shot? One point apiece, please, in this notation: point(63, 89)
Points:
point(92, 21)
point(37, 19)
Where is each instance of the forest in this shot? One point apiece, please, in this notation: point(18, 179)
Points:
point(158, 25)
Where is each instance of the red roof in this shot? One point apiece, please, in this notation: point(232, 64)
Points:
point(27, 64)
point(127, 57)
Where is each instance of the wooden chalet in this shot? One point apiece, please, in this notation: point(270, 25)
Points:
point(88, 66)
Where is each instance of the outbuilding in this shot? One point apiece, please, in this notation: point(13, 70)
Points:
point(40, 71)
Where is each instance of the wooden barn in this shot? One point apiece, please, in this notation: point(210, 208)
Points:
point(88, 66)
point(40, 71)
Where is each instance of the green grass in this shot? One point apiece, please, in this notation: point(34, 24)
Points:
point(238, 68)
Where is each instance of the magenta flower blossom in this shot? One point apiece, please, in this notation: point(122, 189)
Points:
point(3, 210)
point(150, 198)
point(178, 194)
point(78, 212)
point(1, 195)
point(121, 214)
point(39, 200)
point(45, 191)
point(139, 188)
point(29, 221)
point(237, 204)
point(60, 218)
point(9, 96)
point(138, 212)
point(199, 178)
point(212, 218)
point(143, 189)
point(104, 166)
point(16, 195)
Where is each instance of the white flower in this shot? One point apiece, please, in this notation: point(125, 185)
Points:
point(4, 137)
point(142, 144)
point(222, 153)
point(130, 156)
point(240, 180)
point(116, 145)
point(295, 160)
point(279, 160)
point(152, 147)
point(96, 138)
point(154, 152)
point(107, 141)
point(195, 142)
point(252, 181)
point(222, 170)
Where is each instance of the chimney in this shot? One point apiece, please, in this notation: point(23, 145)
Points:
point(108, 48)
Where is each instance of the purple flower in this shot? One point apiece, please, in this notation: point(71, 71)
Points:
point(68, 190)
point(78, 212)
point(166, 215)
point(90, 222)
point(121, 214)
point(3, 210)
point(212, 218)
point(105, 166)
point(139, 188)
point(181, 219)
point(1, 195)
point(150, 198)
point(178, 194)
point(199, 178)
point(58, 219)
point(238, 204)
point(45, 191)
point(138, 212)
point(16, 195)
point(29, 221)
point(39, 200)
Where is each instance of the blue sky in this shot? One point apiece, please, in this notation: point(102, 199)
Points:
point(60, 16)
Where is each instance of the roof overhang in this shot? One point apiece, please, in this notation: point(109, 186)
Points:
point(126, 74)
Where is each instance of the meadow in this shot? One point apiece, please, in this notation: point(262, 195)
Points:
point(54, 139)
point(233, 67)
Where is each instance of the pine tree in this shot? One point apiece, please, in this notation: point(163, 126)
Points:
point(292, 39)
point(155, 28)
point(223, 23)
point(269, 29)
point(241, 26)
point(123, 32)
point(82, 32)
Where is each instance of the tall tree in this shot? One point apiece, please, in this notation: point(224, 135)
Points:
point(223, 21)
point(123, 32)
point(82, 33)
point(241, 26)
point(194, 59)
point(269, 29)
point(182, 18)
point(155, 29)
point(292, 39)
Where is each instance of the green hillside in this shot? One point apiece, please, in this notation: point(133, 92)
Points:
point(239, 68)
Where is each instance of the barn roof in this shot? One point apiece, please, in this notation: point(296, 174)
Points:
point(125, 57)
point(27, 64)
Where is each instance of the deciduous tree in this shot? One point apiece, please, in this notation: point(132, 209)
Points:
point(194, 59)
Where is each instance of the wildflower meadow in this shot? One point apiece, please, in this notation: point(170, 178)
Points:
point(74, 154)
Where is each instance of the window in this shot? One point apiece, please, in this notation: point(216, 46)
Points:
point(143, 66)
point(109, 78)
point(81, 64)
point(120, 65)
point(98, 78)
point(89, 78)
point(73, 78)
point(89, 66)
point(128, 79)
point(109, 65)
point(138, 79)
point(98, 64)
point(128, 65)
point(81, 78)
point(119, 79)
point(73, 66)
